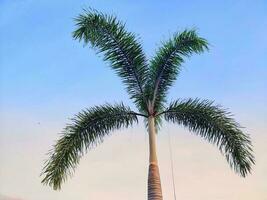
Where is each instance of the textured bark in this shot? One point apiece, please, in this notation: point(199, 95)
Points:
point(154, 184)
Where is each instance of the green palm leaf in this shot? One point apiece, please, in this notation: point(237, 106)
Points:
point(166, 65)
point(88, 129)
point(120, 48)
point(216, 125)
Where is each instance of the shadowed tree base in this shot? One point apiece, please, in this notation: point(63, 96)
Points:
point(154, 185)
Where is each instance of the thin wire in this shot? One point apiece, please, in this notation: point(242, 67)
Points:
point(171, 158)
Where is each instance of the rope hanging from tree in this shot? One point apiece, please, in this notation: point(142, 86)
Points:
point(171, 161)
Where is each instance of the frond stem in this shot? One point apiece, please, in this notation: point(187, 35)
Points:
point(158, 79)
point(105, 31)
point(139, 114)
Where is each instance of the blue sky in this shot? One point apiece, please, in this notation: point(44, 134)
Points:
point(42, 66)
point(46, 76)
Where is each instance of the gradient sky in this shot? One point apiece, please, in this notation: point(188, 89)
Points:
point(46, 77)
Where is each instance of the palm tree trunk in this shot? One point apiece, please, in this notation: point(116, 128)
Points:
point(154, 184)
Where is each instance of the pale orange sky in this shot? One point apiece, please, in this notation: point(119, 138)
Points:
point(117, 169)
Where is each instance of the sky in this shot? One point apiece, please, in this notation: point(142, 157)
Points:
point(46, 77)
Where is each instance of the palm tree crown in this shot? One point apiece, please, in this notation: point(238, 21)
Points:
point(147, 83)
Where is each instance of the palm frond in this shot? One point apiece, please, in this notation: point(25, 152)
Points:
point(216, 125)
point(87, 129)
point(166, 65)
point(121, 48)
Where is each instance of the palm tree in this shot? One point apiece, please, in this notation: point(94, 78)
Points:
point(147, 83)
